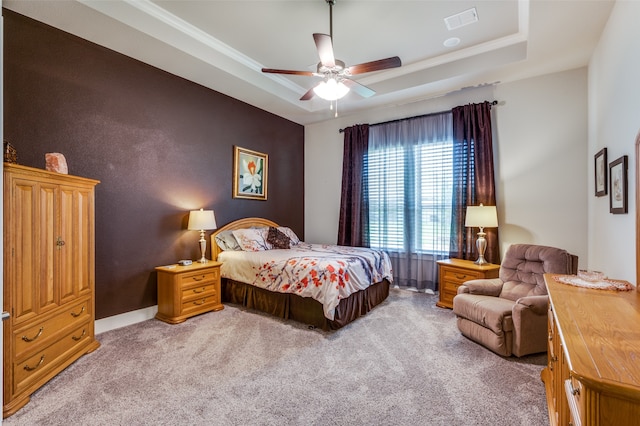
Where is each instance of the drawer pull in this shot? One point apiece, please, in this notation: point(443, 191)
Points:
point(199, 290)
point(200, 302)
point(59, 243)
point(550, 336)
point(574, 391)
point(73, 314)
point(26, 367)
point(26, 339)
point(460, 277)
point(200, 278)
point(84, 333)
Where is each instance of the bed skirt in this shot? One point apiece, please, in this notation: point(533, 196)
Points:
point(303, 309)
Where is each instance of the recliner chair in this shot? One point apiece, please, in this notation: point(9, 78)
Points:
point(508, 315)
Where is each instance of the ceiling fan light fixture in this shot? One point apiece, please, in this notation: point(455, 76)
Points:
point(331, 89)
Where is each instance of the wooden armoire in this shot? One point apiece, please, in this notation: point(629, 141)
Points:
point(49, 277)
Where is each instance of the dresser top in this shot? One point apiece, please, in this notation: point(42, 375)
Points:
point(600, 331)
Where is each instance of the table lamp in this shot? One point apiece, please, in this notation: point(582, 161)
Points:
point(201, 220)
point(481, 217)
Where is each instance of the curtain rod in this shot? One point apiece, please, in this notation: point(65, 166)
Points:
point(409, 118)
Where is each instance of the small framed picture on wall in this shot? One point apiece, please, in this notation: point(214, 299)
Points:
point(600, 163)
point(618, 186)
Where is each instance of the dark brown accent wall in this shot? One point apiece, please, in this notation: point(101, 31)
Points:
point(159, 144)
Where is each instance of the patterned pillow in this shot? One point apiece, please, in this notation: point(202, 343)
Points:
point(289, 233)
point(226, 241)
point(278, 239)
point(253, 239)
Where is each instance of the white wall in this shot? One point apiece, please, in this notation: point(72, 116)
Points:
point(540, 148)
point(542, 161)
point(614, 121)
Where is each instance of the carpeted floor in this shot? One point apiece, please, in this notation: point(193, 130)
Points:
point(405, 363)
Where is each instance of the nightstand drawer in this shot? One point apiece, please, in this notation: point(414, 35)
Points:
point(199, 277)
point(199, 305)
point(199, 291)
point(459, 275)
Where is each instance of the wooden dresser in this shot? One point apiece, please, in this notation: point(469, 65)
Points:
point(49, 277)
point(185, 291)
point(454, 272)
point(593, 371)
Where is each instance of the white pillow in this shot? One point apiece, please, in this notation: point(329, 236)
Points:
point(253, 239)
point(226, 241)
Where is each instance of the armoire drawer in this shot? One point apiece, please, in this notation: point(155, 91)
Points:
point(43, 332)
point(31, 369)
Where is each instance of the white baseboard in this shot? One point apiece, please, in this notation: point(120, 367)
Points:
point(123, 320)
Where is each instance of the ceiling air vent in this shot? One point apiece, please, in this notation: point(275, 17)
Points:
point(461, 19)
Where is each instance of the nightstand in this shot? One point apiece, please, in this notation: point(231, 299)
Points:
point(454, 272)
point(185, 291)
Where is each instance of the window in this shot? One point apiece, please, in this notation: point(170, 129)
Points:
point(410, 186)
point(421, 192)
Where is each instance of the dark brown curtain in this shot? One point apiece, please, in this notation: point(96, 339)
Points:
point(354, 211)
point(473, 181)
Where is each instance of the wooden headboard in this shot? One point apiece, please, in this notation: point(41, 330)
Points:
point(245, 223)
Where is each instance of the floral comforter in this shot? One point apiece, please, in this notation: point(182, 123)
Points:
point(327, 273)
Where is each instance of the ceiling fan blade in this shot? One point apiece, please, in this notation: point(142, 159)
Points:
point(360, 89)
point(310, 93)
point(274, 71)
point(325, 49)
point(381, 64)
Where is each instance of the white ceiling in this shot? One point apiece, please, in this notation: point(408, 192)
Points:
point(224, 44)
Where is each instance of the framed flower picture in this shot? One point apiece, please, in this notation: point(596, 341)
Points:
point(249, 174)
point(618, 186)
point(600, 160)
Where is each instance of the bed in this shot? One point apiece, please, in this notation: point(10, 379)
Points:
point(323, 286)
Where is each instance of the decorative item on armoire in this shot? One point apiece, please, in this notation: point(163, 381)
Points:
point(10, 153)
point(55, 162)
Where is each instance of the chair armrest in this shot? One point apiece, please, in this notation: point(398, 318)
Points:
point(485, 287)
point(538, 304)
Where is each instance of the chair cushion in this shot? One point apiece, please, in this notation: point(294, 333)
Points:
point(491, 312)
point(524, 265)
point(499, 343)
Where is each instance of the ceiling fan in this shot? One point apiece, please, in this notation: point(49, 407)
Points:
point(334, 73)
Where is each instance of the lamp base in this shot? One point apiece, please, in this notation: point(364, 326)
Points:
point(481, 245)
point(203, 248)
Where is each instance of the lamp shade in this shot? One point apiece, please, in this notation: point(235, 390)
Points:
point(331, 89)
point(199, 220)
point(481, 217)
